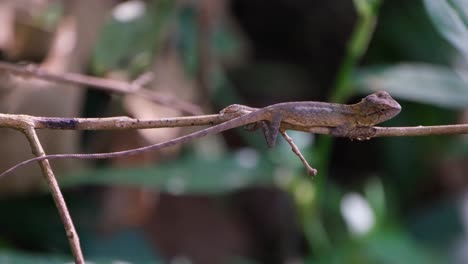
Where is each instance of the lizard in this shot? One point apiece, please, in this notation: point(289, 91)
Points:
point(342, 118)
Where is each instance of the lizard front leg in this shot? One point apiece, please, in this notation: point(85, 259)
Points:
point(271, 128)
point(310, 170)
point(343, 130)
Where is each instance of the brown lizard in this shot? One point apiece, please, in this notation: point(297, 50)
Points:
point(342, 118)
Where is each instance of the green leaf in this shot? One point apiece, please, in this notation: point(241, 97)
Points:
point(131, 45)
point(128, 245)
point(24, 258)
point(425, 83)
point(385, 246)
point(439, 224)
point(189, 175)
point(405, 32)
point(366, 7)
point(225, 43)
point(462, 7)
point(9, 256)
point(450, 19)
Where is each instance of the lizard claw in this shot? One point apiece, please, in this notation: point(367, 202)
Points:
point(311, 171)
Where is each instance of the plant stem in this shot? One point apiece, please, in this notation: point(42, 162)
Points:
point(357, 45)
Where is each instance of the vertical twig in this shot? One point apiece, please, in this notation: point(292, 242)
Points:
point(49, 176)
point(207, 12)
point(357, 45)
point(367, 11)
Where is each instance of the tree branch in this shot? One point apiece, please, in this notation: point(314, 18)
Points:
point(28, 124)
point(365, 133)
point(54, 188)
point(111, 123)
point(108, 85)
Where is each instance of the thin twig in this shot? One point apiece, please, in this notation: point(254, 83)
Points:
point(364, 133)
point(143, 80)
point(421, 130)
point(111, 123)
point(108, 85)
point(54, 188)
point(206, 10)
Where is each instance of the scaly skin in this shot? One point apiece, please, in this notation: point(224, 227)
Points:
point(371, 110)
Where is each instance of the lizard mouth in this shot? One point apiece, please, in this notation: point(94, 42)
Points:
point(384, 114)
point(379, 112)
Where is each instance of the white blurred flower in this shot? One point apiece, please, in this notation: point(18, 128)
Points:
point(357, 214)
point(129, 10)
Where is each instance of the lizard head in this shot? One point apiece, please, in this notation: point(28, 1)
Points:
point(376, 108)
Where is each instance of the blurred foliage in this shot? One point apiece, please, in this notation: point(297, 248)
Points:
point(134, 44)
point(405, 33)
point(409, 48)
point(16, 257)
point(34, 220)
point(190, 175)
point(424, 83)
point(390, 246)
point(451, 20)
point(131, 45)
point(25, 258)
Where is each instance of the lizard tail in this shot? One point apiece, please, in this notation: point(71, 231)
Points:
point(235, 122)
